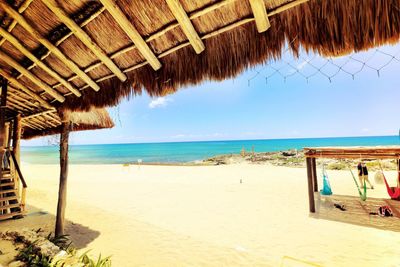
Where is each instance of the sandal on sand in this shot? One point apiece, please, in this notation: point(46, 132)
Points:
point(340, 206)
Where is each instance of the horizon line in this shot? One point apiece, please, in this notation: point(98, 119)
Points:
point(226, 140)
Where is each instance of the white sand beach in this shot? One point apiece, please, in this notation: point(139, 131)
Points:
point(203, 216)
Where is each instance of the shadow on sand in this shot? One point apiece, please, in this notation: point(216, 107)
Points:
point(80, 235)
point(357, 212)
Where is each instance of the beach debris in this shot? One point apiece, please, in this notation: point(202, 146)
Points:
point(340, 206)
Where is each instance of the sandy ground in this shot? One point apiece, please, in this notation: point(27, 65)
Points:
point(203, 216)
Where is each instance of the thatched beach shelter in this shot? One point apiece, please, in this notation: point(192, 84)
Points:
point(76, 55)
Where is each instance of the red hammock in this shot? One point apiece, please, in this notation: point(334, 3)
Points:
point(394, 192)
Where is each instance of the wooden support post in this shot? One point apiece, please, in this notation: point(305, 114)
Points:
point(398, 172)
point(17, 129)
point(62, 192)
point(310, 185)
point(315, 175)
point(3, 103)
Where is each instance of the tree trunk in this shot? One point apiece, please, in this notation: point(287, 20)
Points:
point(62, 192)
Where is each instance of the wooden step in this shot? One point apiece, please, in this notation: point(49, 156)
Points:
point(7, 184)
point(8, 198)
point(8, 191)
point(11, 215)
point(10, 206)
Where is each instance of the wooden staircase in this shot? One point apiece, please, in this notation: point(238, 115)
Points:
point(12, 189)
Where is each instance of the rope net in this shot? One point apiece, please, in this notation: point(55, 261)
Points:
point(310, 66)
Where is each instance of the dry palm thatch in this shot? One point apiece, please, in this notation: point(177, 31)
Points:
point(49, 123)
point(226, 27)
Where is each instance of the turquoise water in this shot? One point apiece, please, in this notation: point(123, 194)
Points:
point(186, 151)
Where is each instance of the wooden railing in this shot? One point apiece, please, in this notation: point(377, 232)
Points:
point(12, 163)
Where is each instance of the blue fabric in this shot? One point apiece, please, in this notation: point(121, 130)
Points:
point(326, 190)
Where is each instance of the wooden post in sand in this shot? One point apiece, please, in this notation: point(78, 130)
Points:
point(314, 173)
point(3, 103)
point(310, 185)
point(62, 191)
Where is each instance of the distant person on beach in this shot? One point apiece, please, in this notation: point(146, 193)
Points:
point(363, 174)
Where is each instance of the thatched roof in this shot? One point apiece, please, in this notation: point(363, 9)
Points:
point(167, 44)
point(49, 123)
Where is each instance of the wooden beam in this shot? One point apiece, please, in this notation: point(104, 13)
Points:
point(30, 125)
point(84, 37)
point(56, 51)
point(67, 35)
point(260, 14)
point(39, 114)
point(186, 25)
point(62, 192)
point(23, 88)
point(20, 104)
point(17, 130)
point(311, 201)
point(132, 33)
point(6, 58)
point(12, 25)
point(37, 61)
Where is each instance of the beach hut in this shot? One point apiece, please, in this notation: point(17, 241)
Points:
point(13, 184)
point(75, 55)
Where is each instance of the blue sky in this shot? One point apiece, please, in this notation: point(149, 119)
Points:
point(250, 107)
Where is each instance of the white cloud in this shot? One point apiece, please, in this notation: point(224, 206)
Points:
point(365, 130)
point(160, 102)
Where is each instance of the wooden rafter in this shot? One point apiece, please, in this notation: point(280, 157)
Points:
point(132, 33)
point(12, 25)
point(30, 125)
point(66, 36)
point(84, 37)
point(37, 61)
point(56, 51)
point(20, 103)
point(260, 15)
point(186, 25)
point(159, 33)
point(20, 86)
point(6, 58)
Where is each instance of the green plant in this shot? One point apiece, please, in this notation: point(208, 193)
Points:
point(101, 262)
point(61, 241)
point(32, 256)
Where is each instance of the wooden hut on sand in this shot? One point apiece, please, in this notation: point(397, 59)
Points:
point(76, 55)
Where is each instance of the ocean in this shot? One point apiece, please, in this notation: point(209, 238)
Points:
point(179, 152)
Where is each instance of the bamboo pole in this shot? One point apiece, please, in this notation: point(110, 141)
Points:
point(56, 51)
point(186, 25)
point(12, 25)
point(65, 37)
point(132, 33)
point(84, 37)
point(159, 33)
point(17, 44)
point(62, 192)
point(260, 15)
point(310, 186)
point(23, 88)
point(10, 61)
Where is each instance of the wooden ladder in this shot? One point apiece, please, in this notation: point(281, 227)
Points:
point(12, 190)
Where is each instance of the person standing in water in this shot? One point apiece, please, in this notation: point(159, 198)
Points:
point(363, 174)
